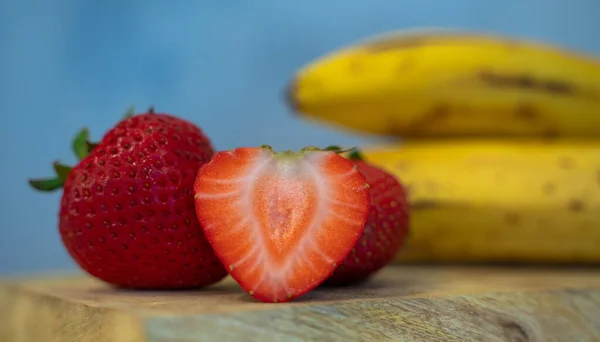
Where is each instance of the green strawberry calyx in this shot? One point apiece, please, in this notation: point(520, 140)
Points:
point(291, 153)
point(81, 146)
point(354, 153)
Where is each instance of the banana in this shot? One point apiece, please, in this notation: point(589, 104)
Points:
point(478, 200)
point(442, 83)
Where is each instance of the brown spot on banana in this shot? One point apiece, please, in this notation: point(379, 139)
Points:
point(290, 96)
point(566, 163)
point(527, 82)
point(424, 204)
point(290, 92)
point(550, 134)
point(527, 112)
point(557, 87)
point(394, 43)
point(439, 112)
point(512, 219)
point(417, 40)
point(433, 204)
point(548, 188)
point(576, 205)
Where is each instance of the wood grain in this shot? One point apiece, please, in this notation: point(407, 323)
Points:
point(402, 303)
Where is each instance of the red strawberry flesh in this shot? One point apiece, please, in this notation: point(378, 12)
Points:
point(280, 223)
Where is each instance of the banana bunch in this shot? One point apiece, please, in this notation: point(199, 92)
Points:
point(501, 140)
point(452, 84)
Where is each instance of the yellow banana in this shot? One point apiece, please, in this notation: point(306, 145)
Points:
point(498, 200)
point(452, 83)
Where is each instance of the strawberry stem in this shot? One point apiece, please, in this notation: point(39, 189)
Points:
point(91, 145)
point(130, 112)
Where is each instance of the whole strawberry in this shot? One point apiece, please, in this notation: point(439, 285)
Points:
point(127, 211)
point(385, 231)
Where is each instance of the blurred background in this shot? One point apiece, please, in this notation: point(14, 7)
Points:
point(221, 64)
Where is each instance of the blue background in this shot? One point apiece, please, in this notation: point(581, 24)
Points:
point(222, 64)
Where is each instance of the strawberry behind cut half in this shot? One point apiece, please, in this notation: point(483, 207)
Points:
point(385, 231)
point(281, 222)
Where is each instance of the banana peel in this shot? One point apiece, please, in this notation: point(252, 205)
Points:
point(451, 83)
point(482, 201)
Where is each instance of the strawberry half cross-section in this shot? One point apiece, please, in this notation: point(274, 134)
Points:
point(281, 222)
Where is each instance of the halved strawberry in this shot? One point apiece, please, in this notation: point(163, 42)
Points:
point(281, 222)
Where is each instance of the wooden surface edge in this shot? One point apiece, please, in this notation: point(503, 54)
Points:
point(404, 304)
point(557, 315)
point(27, 316)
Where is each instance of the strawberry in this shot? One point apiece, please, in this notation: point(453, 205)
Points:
point(127, 211)
point(281, 222)
point(385, 231)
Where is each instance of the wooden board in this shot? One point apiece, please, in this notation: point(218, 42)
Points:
point(402, 303)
